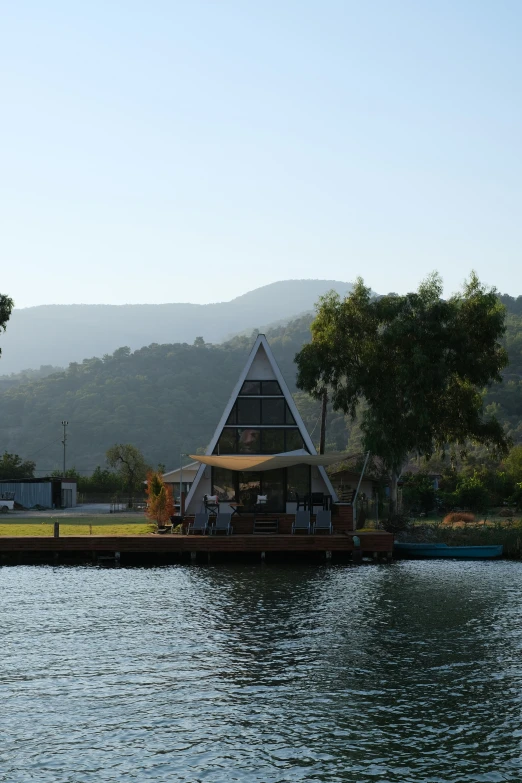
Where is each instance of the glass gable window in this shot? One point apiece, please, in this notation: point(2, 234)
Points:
point(226, 443)
point(248, 411)
point(272, 441)
point(232, 419)
point(270, 387)
point(249, 441)
point(250, 388)
point(294, 440)
point(273, 411)
point(288, 415)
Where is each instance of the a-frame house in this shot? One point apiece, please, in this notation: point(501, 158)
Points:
point(260, 418)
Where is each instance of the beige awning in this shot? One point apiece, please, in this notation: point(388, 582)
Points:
point(269, 462)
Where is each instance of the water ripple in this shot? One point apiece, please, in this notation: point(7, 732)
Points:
point(408, 673)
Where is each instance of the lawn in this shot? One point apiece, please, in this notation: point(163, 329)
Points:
point(78, 526)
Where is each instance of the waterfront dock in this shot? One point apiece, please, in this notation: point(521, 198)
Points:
point(172, 547)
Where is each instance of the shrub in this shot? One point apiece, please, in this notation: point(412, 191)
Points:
point(472, 493)
point(418, 492)
point(458, 516)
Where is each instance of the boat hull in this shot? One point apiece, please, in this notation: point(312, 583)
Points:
point(414, 551)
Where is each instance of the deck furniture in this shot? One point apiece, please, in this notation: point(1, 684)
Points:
point(261, 504)
point(236, 508)
point(211, 503)
point(222, 524)
point(315, 499)
point(199, 525)
point(301, 521)
point(323, 522)
point(300, 501)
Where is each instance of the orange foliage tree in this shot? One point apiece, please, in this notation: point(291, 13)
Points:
point(160, 505)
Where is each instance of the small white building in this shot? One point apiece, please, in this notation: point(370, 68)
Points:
point(260, 422)
point(185, 475)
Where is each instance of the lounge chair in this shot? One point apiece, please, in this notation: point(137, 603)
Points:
point(323, 522)
point(200, 524)
point(301, 521)
point(222, 524)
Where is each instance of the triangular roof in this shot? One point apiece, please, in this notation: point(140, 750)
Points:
point(259, 356)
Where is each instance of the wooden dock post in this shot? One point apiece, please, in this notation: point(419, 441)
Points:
point(56, 531)
point(193, 557)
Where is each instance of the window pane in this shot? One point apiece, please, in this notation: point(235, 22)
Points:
point(273, 411)
point(248, 411)
point(226, 443)
point(289, 418)
point(249, 489)
point(224, 484)
point(270, 387)
point(297, 481)
point(248, 442)
point(294, 440)
point(273, 486)
point(232, 419)
point(251, 387)
point(273, 441)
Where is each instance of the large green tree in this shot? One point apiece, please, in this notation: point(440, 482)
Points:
point(129, 463)
point(415, 365)
point(14, 467)
point(6, 307)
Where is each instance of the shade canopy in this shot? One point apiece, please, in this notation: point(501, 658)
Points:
point(267, 462)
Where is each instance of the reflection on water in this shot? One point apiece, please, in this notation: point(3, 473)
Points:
point(410, 673)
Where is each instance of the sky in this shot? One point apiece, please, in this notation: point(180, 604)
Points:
point(192, 151)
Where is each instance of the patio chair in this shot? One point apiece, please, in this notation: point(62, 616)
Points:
point(260, 505)
point(211, 503)
point(301, 521)
point(315, 499)
point(199, 525)
point(300, 501)
point(222, 524)
point(323, 522)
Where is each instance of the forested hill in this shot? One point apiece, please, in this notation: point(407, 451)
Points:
point(168, 399)
point(60, 334)
point(162, 398)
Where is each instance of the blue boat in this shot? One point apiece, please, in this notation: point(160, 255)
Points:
point(443, 550)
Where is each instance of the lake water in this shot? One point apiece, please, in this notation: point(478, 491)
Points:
point(410, 672)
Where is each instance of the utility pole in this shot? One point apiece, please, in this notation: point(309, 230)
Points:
point(64, 441)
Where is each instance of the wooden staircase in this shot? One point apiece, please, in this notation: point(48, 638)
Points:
point(266, 524)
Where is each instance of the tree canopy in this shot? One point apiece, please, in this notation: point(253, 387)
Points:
point(6, 307)
point(14, 467)
point(129, 463)
point(415, 365)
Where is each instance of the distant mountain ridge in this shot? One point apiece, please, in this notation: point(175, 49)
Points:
point(60, 334)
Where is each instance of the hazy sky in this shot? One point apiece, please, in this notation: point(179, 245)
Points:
point(191, 151)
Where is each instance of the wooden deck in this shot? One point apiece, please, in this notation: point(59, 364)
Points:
point(377, 543)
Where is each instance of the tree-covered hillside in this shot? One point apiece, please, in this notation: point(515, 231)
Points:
point(167, 399)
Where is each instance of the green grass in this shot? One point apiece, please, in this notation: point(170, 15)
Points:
point(78, 526)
